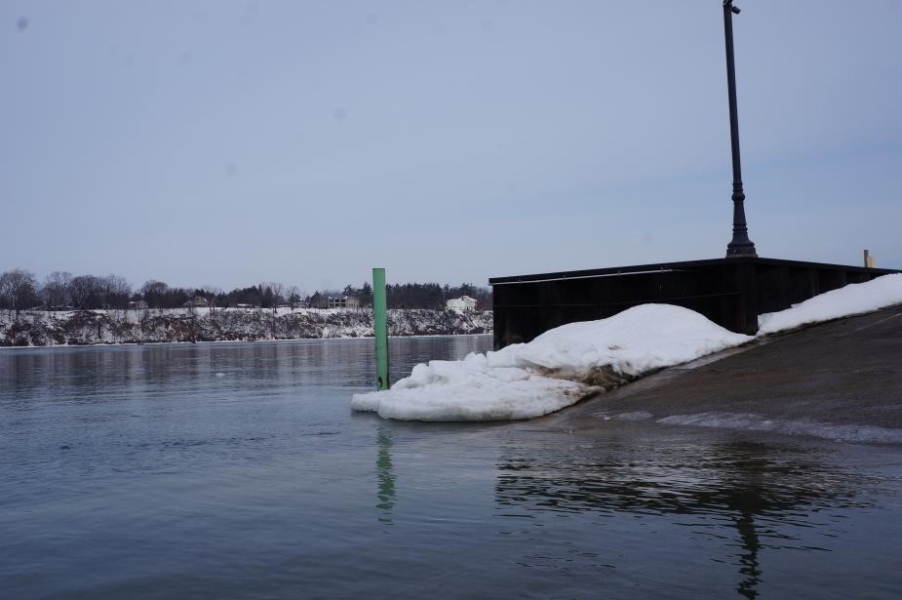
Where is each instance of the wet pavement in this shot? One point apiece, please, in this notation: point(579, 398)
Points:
point(845, 373)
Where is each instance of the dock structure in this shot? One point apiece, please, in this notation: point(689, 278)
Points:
point(731, 292)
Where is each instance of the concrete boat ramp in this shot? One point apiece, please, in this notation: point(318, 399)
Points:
point(838, 380)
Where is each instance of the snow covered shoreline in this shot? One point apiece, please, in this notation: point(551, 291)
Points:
point(79, 328)
point(575, 361)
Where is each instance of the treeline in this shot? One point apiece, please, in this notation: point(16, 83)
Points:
point(20, 290)
point(430, 296)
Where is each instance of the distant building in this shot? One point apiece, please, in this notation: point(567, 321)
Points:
point(197, 302)
point(137, 305)
point(343, 302)
point(462, 304)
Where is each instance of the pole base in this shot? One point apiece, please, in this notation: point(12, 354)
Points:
point(741, 250)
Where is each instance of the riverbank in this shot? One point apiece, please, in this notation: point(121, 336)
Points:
point(577, 361)
point(82, 328)
point(839, 380)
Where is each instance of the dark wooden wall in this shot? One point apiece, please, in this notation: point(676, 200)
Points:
point(731, 292)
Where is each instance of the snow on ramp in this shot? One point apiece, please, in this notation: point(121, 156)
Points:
point(555, 370)
point(853, 299)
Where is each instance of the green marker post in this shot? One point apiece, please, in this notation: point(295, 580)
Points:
point(380, 326)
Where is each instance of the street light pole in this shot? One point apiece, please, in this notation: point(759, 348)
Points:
point(740, 245)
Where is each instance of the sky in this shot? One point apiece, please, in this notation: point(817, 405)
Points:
point(221, 143)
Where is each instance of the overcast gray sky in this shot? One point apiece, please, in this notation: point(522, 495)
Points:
point(228, 143)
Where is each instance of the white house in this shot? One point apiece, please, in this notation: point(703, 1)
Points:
point(197, 302)
point(462, 304)
point(343, 302)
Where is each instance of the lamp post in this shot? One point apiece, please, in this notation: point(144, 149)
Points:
point(740, 245)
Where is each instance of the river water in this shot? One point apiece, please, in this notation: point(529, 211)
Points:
point(238, 471)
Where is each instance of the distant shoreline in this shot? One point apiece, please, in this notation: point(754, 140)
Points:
point(115, 327)
point(261, 341)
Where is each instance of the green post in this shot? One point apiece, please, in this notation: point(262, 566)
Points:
point(380, 326)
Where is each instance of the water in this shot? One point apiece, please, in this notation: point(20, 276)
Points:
point(238, 471)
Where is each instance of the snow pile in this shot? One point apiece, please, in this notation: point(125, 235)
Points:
point(555, 370)
point(851, 300)
point(479, 388)
point(566, 364)
point(638, 340)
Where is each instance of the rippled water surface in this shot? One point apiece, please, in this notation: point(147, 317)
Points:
point(238, 471)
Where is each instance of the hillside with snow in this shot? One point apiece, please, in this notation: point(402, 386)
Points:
point(78, 328)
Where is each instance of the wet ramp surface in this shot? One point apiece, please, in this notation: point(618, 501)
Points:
point(840, 380)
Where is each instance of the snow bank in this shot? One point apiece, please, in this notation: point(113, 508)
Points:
point(473, 389)
point(555, 370)
point(853, 299)
point(634, 342)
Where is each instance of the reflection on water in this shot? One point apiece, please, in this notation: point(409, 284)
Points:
point(385, 474)
point(96, 372)
point(750, 569)
point(238, 470)
point(772, 496)
point(737, 477)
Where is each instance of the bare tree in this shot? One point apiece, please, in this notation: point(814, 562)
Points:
point(210, 294)
point(116, 291)
point(294, 296)
point(18, 290)
point(272, 294)
point(55, 292)
point(153, 292)
point(278, 293)
point(86, 292)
